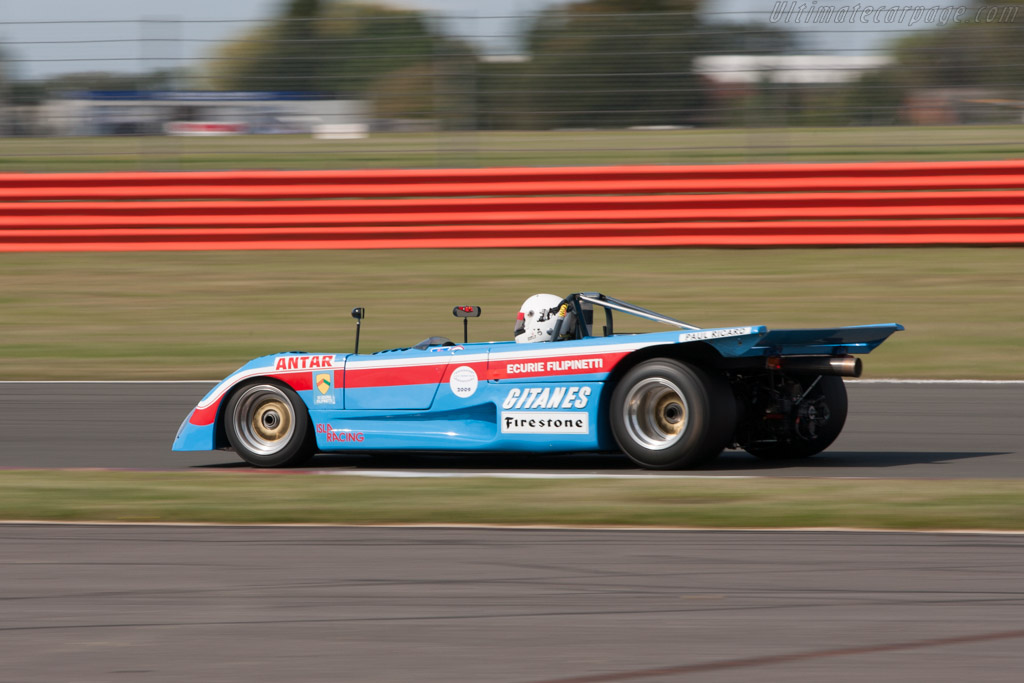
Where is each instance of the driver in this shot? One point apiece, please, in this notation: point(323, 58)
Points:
point(539, 316)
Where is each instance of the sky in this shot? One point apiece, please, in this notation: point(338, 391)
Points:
point(49, 37)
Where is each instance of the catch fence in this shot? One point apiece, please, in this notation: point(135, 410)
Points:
point(337, 85)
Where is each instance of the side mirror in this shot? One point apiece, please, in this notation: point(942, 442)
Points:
point(466, 312)
point(359, 313)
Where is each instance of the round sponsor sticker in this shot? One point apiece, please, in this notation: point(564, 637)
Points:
point(463, 381)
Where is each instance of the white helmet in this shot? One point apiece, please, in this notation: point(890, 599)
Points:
point(537, 318)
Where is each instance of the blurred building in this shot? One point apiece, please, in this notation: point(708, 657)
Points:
point(136, 112)
point(776, 89)
point(730, 70)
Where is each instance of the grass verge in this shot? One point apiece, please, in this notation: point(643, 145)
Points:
point(233, 498)
point(514, 148)
point(201, 315)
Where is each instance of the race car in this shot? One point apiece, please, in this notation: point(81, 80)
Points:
point(568, 382)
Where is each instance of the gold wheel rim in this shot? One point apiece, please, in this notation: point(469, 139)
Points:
point(670, 414)
point(655, 413)
point(271, 420)
point(264, 419)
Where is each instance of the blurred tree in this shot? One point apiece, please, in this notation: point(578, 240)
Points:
point(617, 63)
point(159, 79)
point(6, 66)
point(333, 48)
point(297, 43)
point(613, 63)
point(25, 93)
point(405, 93)
point(875, 99)
point(588, 64)
point(983, 50)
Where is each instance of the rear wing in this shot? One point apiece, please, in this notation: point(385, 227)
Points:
point(760, 341)
point(829, 341)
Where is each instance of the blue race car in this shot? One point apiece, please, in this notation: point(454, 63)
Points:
point(569, 382)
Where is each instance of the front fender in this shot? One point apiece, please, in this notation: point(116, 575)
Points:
point(195, 437)
point(200, 430)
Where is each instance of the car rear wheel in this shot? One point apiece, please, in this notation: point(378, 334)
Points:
point(666, 414)
point(268, 426)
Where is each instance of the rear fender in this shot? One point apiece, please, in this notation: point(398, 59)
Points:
point(701, 354)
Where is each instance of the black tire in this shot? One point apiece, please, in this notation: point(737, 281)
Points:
point(268, 425)
point(829, 392)
point(666, 414)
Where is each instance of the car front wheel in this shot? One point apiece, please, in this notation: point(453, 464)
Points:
point(268, 426)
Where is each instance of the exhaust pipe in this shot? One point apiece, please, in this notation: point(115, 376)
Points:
point(843, 366)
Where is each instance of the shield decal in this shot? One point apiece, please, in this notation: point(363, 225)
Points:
point(323, 382)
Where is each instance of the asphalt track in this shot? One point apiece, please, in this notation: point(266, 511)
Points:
point(117, 603)
point(944, 430)
point(91, 603)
